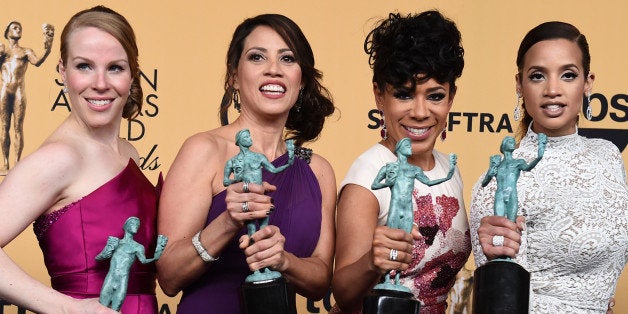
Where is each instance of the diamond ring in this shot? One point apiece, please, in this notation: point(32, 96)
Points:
point(498, 240)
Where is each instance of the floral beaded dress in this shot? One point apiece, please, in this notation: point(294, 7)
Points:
point(575, 202)
point(440, 214)
point(298, 202)
point(71, 237)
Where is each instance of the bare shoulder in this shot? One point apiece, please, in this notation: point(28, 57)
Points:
point(48, 173)
point(58, 157)
point(202, 154)
point(130, 150)
point(320, 164)
point(204, 144)
point(323, 171)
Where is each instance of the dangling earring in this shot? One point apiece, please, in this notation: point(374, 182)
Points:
point(297, 105)
point(588, 111)
point(382, 123)
point(236, 99)
point(443, 135)
point(65, 88)
point(517, 112)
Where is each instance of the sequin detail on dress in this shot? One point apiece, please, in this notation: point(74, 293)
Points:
point(449, 249)
point(41, 224)
point(303, 153)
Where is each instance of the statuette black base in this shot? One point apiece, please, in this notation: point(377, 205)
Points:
point(501, 286)
point(389, 302)
point(271, 297)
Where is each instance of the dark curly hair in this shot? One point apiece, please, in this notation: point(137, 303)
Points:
point(549, 31)
point(315, 101)
point(415, 48)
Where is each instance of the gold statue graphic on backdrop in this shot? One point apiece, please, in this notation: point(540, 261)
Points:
point(14, 61)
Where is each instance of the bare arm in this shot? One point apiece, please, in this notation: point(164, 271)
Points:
point(363, 247)
point(183, 208)
point(34, 185)
point(194, 177)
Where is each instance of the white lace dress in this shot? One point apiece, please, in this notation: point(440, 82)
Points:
point(575, 202)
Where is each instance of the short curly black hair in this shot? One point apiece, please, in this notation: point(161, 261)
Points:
point(414, 48)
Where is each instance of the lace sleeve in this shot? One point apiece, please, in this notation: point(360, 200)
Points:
point(482, 201)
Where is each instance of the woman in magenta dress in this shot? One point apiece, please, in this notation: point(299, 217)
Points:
point(83, 182)
point(271, 79)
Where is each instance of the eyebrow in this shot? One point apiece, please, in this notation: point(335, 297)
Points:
point(563, 67)
point(282, 50)
point(79, 58)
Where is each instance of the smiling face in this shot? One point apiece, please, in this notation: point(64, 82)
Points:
point(268, 75)
point(419, 114)
point(553, 82)
point(97, 76)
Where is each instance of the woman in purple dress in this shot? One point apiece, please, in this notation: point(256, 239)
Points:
point(272, 82)
point(83, 182)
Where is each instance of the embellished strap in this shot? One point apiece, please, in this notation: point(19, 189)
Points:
point(303, 153)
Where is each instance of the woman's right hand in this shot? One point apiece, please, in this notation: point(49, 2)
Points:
point(386, 239)
point(258, 204)
point(492, 226)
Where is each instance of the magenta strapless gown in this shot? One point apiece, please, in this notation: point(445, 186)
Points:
point(71, 237)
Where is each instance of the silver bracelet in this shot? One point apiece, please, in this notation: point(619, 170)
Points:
point(196, 241)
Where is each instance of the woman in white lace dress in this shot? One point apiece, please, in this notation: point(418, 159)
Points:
point(572, 230)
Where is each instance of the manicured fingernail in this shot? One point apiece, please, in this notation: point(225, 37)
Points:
point(272, 208)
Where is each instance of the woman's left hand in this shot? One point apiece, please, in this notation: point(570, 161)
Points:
point(265, 249)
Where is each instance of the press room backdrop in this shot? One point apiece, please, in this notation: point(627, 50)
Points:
point(182, 52)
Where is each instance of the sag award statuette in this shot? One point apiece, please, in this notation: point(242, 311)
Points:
point(501, 285)
point(263, 291)
point(393, 297)
point(123, 253)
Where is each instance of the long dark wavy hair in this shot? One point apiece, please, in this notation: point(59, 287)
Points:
point(316, 103)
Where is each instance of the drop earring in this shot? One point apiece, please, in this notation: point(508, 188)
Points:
point(443, 135)
point(382, 123)
point(588, 112)
point(297, 105)
point(236, 100)
point(517, 113)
